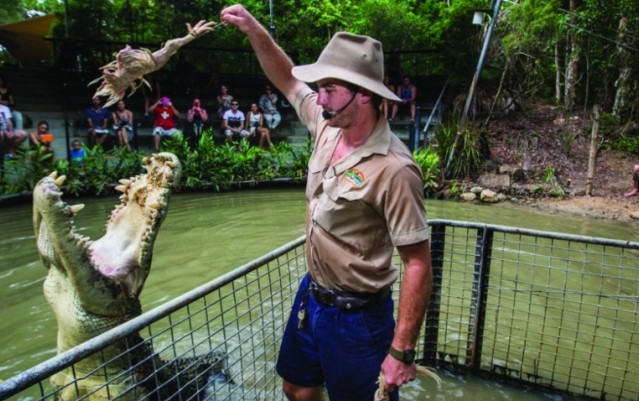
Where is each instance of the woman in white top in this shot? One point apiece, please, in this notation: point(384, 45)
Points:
point(255, 124)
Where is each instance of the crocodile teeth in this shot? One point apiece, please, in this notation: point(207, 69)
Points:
point(54, 175)
point(60, 180)
point(76, 208)
point(155, 205)
point(170, 164)
point(121, 188)
point(124, 181)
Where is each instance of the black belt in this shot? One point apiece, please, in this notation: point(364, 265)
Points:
point(347, 301)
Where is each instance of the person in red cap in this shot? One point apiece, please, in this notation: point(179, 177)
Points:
point(197, 116)
point(164, 125)
point(365, 198)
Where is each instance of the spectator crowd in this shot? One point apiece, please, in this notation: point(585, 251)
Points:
point(255, 119)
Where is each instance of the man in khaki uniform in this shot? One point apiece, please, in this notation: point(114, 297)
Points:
point(364, 197)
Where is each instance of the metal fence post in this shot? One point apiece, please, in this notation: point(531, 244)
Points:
point(413, 131)
point(431, 323)
point(483, 249)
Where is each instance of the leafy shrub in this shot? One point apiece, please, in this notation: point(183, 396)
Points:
point(464, 158)
point(624, 144)
point(207, 165)
point(22, 172)
point(455, 190)
point(428, 160)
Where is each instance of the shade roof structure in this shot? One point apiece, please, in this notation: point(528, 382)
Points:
point(25, 40)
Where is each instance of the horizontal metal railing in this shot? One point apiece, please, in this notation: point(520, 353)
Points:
point(545, 309)
point(238, 316)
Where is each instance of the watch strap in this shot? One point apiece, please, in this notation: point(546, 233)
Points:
point(406, 356)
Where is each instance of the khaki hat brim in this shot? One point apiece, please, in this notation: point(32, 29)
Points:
point(311, 73)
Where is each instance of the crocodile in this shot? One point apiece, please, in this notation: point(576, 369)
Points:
point(94, 285)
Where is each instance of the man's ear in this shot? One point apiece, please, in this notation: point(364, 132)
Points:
point(366, 96)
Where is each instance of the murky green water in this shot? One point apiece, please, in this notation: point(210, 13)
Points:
point(206, 235)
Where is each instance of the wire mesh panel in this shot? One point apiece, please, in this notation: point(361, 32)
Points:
point(547, 309)
point(216, 342)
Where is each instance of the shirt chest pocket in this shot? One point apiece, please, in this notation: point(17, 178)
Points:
point(342, 210)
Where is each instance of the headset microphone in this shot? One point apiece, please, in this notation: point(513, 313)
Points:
point(327, 115)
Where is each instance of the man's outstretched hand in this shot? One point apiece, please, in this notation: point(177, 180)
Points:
point(201, 28)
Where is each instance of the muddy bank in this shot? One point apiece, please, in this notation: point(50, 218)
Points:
point(600, 207)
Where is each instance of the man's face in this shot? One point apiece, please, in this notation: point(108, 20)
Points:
point(333, 95)
point(96, 102)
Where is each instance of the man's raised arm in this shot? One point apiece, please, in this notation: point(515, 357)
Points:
point(274, 61)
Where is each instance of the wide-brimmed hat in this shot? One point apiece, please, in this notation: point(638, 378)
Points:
point(355, 59)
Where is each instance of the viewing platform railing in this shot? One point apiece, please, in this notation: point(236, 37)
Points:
point(542, 309)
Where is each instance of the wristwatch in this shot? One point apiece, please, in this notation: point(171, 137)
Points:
point(407, 356)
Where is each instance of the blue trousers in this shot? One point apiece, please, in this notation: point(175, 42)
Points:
point(340, 349)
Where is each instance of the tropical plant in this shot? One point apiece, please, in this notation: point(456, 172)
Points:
point(205, 166)
point(454, 190)
point(460, 151)
point(624, 144)
point(549, 185)
point(22, 172)
point(284, 160)
point(428, 161)
point(220, 166)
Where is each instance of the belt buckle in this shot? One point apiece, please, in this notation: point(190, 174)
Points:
point(324, 295)
point(348, 303)
point(344, 303)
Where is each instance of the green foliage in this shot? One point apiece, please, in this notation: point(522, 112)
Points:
point(531, 26)
point(549, 185)
point(529, 32)
point(608, 124)
point(220, 166)
point(428, 161)
point(455, 190)
point(96, 174)
point(548, 175)
point(624, 144)
point(10, 11)
point(23, 171)
point(206, 166)
point(460, 151)
point(284, 161)
point(609, 128)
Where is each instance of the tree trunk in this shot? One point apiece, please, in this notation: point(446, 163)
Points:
point(557, 75)
point(572, 66)
point(594, 140)
point(625, 71)
point(498, 94)
point(587, 86)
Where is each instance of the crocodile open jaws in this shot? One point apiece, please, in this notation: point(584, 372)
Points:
point(93, 286)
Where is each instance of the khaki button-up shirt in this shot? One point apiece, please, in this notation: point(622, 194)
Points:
point(361, 207)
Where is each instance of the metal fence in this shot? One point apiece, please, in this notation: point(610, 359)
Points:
point(544, 309)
